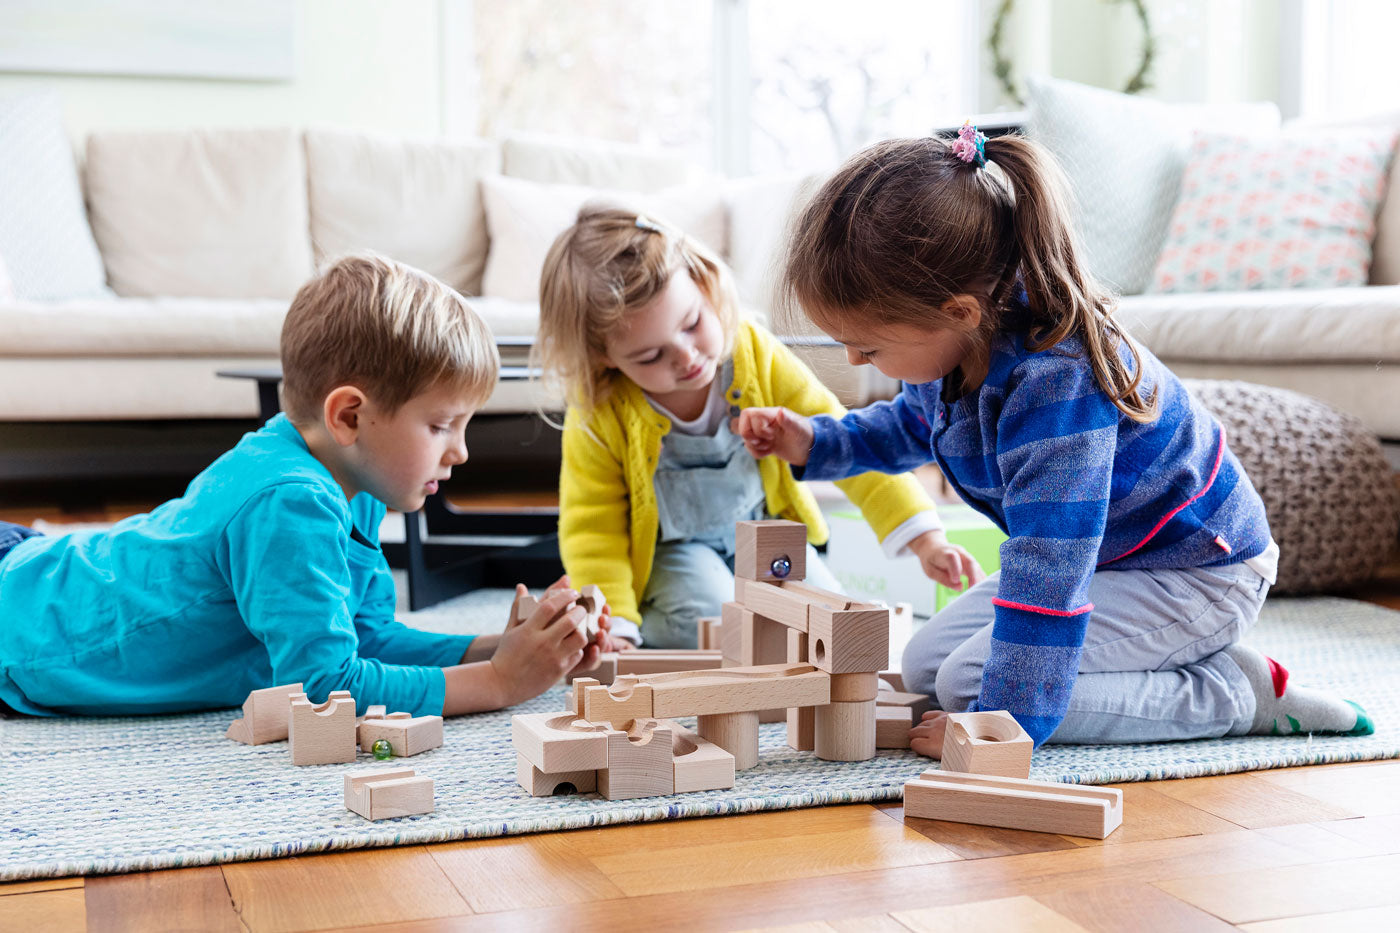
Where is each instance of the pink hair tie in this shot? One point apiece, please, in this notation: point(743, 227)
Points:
point(971, 145)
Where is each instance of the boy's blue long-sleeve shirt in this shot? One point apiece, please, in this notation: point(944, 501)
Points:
point(261, 574)
point(1076, 485)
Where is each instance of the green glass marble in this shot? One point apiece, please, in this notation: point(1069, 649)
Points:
point(382, 749)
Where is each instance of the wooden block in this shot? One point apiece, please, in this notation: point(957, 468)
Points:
point(736, 733)
point(990, 742)
point(894, 678)
point(815, 594)
point(707, 633)
point(375, 712)
point(892, 725)
point(796, 647)
point(845, 731)
point(1015, 803)
point(774, 602)
point(264, 716)
point(619, 704)
point(660, 661)
point(380, 794)
point(759, 546)
point(322, 735)
point(591, 598)
point(559, 742)
point(521, 608)
point(699, 763)
point(739, 689)
point(406, 735)
point(916, 703)
point(854, 688)
point(731, 632)
point(605, 673)
point(639, 762)
point(763, 641)
point(579, 684)
point(849, 641)
point(801, 720)
point(539, 784)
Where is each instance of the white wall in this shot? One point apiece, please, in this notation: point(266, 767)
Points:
point(364, 64)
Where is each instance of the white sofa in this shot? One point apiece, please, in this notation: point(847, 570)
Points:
point(205, 236)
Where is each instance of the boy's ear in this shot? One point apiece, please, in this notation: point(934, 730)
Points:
point(343, 409)
point(965, 309)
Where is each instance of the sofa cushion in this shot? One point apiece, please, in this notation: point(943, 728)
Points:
point(44, 234)
point(598, 164)
point(524, 217)
point(419, 202)
point(1123, 157)
point(143, 327)
point(1286, 325)
point(205, 213)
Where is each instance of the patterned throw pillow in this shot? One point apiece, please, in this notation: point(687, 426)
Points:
point(1277, 212)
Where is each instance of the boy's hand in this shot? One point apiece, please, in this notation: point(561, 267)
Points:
point(945, 563)
point(927, 737)
point(776, 431)
point(533, 655)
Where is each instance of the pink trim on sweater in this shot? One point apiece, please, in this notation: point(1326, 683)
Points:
point(998, 601)
point(1210, 481)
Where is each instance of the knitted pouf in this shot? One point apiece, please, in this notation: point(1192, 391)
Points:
point(1334, 508)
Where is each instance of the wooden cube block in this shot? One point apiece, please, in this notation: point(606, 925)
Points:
point(324, 734)
point(559, 742)
point(539, 784)
point(848, 641)
point(1015, 803)
point(892, 725)
point(990, 742)
point(406, 735)
point(639, 762)
point(265, 715)
point(382, 794)
point(762, 547)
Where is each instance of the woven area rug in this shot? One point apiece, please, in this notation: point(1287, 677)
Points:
point(89, 796)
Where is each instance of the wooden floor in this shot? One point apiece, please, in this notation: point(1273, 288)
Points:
point(1288, 849)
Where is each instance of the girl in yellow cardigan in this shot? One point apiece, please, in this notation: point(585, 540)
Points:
point(640, 324)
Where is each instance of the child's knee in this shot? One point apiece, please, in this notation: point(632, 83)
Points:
point(957, 684)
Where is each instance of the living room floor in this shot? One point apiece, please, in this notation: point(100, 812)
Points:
point(1292, 848)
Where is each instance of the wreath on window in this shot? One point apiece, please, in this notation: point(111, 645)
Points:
point(1001, 65)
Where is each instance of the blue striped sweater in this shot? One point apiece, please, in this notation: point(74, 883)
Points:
point(1041, 450)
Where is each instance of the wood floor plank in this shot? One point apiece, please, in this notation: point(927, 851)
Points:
point(1365, 789)
point(1365, 920)
point(1118, 906)
point(57, 911)
point(341, 890)
point(1292, 891)
point(47, 884)
point(1321, 844)
point(1250, 801)
point(1148, 814)
point(698, 855)
point(1380, 834)
point(1023, 914)
point(544, 869)
point(178, 899)
point(969, 840)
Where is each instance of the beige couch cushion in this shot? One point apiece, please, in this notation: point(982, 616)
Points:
point(524, 217)
point(1288, 325)
point(762, 209)
point(598, 164)
point(419, 202)
point(126, 327)
point(206, 213)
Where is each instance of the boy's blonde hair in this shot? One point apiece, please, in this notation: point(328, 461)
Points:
point(386, 328)
point(611, 262)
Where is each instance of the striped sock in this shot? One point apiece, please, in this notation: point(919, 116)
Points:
point(1281, 709)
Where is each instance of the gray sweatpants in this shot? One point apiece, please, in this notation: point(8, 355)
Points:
point(1151, 670)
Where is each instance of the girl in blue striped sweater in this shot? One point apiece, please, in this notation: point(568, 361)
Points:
point(1138, 553)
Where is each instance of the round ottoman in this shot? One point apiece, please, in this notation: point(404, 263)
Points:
point(1334, 508)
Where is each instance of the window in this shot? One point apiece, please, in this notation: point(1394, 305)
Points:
point(1347, 66)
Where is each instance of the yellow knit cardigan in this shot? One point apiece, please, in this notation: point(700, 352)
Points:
point(608, 515)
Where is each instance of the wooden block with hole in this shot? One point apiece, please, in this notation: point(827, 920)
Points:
point(592, 600)
point(761, 547)
point(916, 703)
point(560, 742)
point(848, 641)
point(1015, 803)
point(407, 735)
point(990, 742)
point(699, 764)
point(540, 784)
point(892, 725)
point(265, 715)
point(383, 794)
point(324, 734)
point(640, 762)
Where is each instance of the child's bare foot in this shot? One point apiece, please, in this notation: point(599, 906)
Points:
point(927, 737)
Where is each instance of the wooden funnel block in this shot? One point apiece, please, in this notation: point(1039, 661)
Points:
point(990, 742)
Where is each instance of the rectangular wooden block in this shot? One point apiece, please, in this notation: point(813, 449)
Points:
point(382, 794)
point(699, 763)
point(731, 632)
point(894, 678)
point(1015, 803)
point(605, 673)
point(848, 641)
point(265, 715)
point(553, 743)
point(658, 661)
point(406, 735)
point(740, 689)
point(764, 641)
point(774, 602)
point(639, 762)
point(324, 734)
point(892, 725)
point(757, 544)
point(989, 742)
point(539, 784)
point(621, 703)
point(916, 703)
point(801, 720)
point(707, 633)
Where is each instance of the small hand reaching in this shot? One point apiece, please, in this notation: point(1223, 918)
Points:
point(946, 563)
point(776, 431)
point(927, 737)
point(533, 655)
